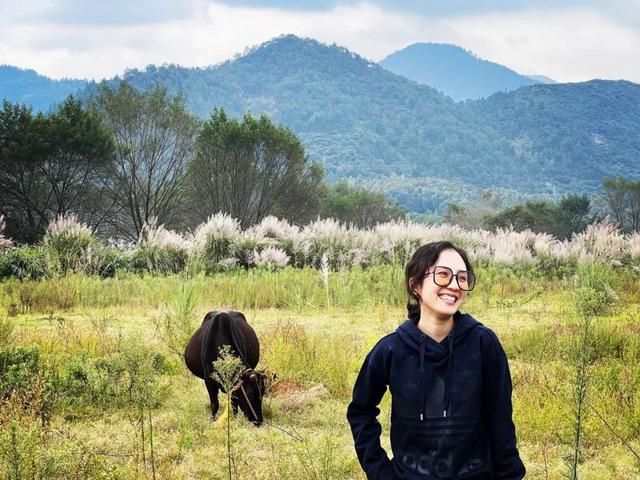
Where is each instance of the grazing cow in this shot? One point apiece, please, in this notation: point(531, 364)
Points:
point(228, 327)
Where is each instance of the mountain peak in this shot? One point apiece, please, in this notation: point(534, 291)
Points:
point(291, 54)
point(443, 47)
point(453, 70)
point(289, 43)
point(286, 40)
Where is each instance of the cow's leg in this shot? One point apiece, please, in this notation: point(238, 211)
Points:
point(234, 405)
point(212, 388)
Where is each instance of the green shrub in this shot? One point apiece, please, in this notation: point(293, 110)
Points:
point(109, 261)
point(31, 449)
point(122, 380)
point(19, 370)
point(216, 240)
point(175, 325)
point(6, 331)
point(26, 263)
point(218, 249)
point(557, 268)
point(158, 259)
point(59, 293)
point(244, 251)
point(93, 382)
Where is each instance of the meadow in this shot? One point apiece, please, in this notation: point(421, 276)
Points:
point(93, 384)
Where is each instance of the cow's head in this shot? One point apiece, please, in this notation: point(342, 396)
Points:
point(248, 395)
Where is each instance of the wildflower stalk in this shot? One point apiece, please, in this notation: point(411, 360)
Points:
point(324, 272)
point(580, 396)
point(592, 299)
point(143, 445)
point(227, 371)
point(152, 453)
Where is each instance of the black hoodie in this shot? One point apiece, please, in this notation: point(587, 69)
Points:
point(450, 410)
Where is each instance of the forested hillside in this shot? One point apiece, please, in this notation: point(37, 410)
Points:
point(571, 134)
point(361, 121)
point(453, 70)
point(27, 87)
point(355, 117)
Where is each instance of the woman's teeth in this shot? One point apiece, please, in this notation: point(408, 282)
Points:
point(448, 298)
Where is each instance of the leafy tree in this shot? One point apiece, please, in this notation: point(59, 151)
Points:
point(570, 215)
point(51, 165)
point(358, 206)
point(573, 215)
point(78, 161)
point(251, 169)
point(537, 215)
point(155, 142)
point(21, 144)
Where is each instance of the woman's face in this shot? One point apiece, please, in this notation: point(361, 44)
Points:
point(443, 301)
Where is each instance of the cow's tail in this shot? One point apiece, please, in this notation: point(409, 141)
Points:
point(221, 326)
point(239, 340)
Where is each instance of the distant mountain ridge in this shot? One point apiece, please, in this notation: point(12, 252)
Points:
point(28, 87)
point(362, 121)
point(541, 79)
point(354, 116)
point(576, 131)
point(454, 71)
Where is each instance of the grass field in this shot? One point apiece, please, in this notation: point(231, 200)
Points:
point(93, 384)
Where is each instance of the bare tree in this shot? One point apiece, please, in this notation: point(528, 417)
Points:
point(623, 197)
point(155, 142)
point(616, 193)
point(634, 205)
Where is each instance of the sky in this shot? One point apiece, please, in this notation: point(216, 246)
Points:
point(568, 41)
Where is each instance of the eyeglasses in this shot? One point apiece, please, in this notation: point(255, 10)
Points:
point(443, 276)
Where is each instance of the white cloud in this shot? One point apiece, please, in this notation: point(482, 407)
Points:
point(215, 34)
point(568, 45)
point(97, 12)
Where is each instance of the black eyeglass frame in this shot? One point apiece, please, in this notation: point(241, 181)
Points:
point(470, 275)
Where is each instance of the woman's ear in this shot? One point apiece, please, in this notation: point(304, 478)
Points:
point(415, 289)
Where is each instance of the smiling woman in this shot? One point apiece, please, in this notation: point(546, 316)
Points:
point(449, 381)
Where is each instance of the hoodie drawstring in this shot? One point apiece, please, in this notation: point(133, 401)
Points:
point(433, 357)
point(447, 383)
point(421, 370)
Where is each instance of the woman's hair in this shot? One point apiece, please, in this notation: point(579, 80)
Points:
point(423, 258)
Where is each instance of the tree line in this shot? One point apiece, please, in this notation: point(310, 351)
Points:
point(124, 158)
point(571, 214)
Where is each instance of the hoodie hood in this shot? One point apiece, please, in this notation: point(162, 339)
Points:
point(438, 354)
point(436, 351)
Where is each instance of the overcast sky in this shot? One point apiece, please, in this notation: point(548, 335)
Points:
point(567, 41)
